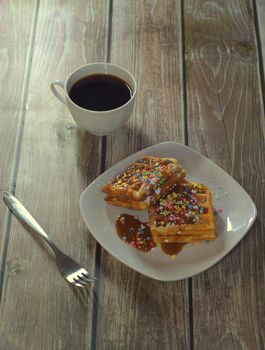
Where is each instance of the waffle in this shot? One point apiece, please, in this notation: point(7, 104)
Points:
point(144, 182)
point(184, 215)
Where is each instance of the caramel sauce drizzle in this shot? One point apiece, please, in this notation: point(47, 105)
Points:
point(138, 234)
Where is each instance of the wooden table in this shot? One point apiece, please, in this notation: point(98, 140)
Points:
point(200, 73)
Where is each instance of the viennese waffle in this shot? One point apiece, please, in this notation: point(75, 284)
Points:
point(184, 215)
point(144, 182)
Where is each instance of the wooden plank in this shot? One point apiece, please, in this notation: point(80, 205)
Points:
point(134, 311)
point(40, 310)
point(15, 38)
point(224, 104)
point(260, 5)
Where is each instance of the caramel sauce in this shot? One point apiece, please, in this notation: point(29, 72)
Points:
point(138, 234)
point(134, 232)
point(172, 248)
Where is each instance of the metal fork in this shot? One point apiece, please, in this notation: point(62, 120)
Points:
point(70, 269)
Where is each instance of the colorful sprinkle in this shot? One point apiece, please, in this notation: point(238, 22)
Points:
point(180, 207)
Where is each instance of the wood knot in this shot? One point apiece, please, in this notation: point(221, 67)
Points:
point(15, 267)
point(244, 48)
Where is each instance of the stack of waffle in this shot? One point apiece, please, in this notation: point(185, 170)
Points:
point(185, 215)
point(179, 211)
point(144, 182)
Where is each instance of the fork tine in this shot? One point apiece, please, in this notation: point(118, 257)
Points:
point(87, 279)
point(88, 276)
point(83, 279)
point(78, 282)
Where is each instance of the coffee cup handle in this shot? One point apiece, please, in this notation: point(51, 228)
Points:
point(54, 90)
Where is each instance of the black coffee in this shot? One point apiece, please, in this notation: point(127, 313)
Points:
point(100, 92)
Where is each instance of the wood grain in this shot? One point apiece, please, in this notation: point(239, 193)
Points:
point(15, 38)
point(225, 122)
point(260, 5)
point(135, 312)
point(57, 161)
point(48, 161)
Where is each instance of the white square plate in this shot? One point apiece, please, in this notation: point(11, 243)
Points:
point(236, 213)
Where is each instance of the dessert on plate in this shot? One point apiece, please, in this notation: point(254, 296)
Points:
point(184, 215)
point(144, 182)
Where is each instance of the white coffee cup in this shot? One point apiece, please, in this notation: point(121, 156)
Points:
point(97, 122)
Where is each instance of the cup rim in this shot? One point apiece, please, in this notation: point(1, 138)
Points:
point(109, 110)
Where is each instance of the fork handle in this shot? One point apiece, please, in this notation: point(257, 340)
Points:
point(21, 213)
